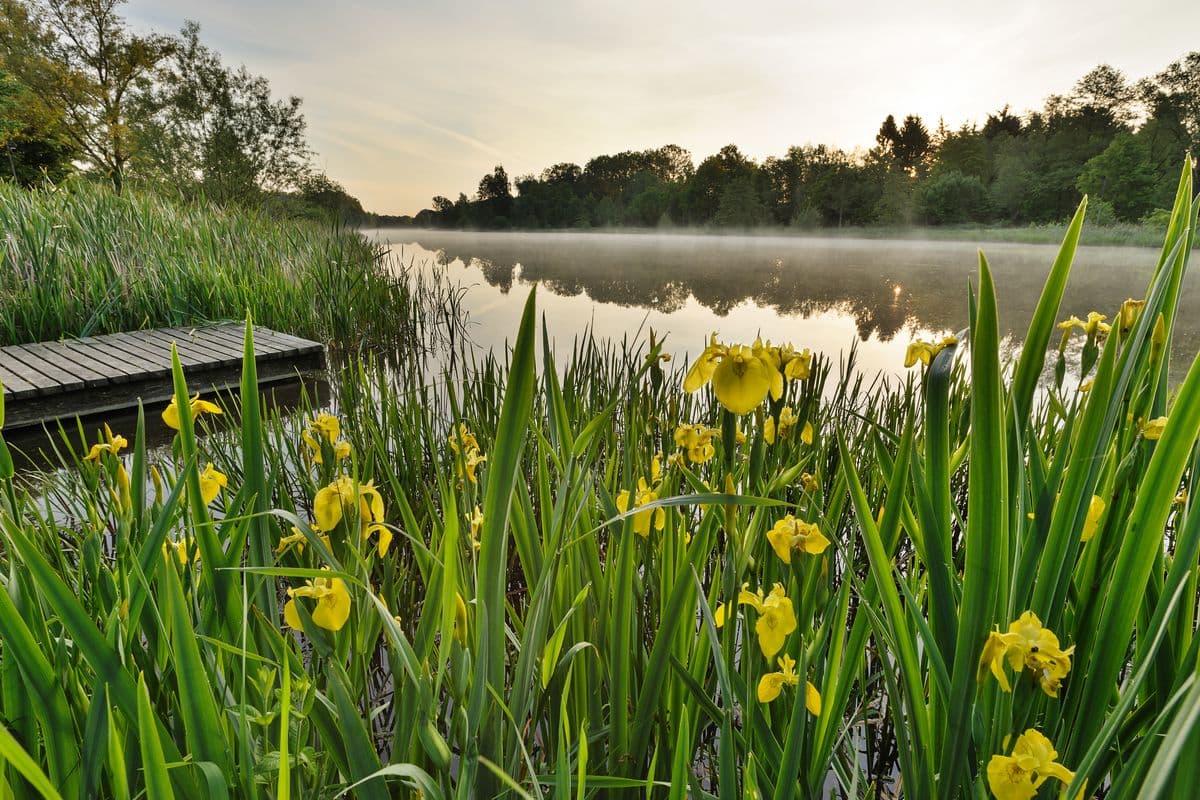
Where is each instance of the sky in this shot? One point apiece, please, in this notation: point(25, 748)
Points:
point(410, 99)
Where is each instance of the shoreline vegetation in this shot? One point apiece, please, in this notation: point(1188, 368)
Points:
point(1115, 235)
point(616, 575)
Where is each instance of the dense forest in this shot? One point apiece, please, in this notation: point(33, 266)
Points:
point(82, 96)
point(1118, 140)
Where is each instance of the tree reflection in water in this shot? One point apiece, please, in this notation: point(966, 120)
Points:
point(887, 287)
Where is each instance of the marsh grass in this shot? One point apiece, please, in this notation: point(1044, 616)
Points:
point(78, 260)
point(570, 656)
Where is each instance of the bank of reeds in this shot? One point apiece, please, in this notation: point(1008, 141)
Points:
point(609, 577)
point(78, 260)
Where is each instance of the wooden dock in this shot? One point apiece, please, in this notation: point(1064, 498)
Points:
point(101, 374)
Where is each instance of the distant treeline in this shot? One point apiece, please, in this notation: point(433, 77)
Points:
point(1120, 141)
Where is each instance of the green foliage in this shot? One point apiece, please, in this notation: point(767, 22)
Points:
point(739, 206)
point(87, 70)
point(1101, 212)
point(904, 146)
point(330, 198)
point(951, 197)
point(36, 147)
point(1122, 176)
point(218, 130)
point(898, 202)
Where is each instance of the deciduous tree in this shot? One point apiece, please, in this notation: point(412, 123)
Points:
point(87, 69)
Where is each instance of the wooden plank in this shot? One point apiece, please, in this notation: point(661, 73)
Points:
point(189, 356)
point(266, 341)
point(71, 362)
point(80, 366)
point(25, 372)
point(141, 363)
point(217, 336)
point(152, 356)
point(295, 342)
point(208, 353)
point(128, 342)
point(55, 377)
point(103, 358)
point(235, 336)
point(14, 384)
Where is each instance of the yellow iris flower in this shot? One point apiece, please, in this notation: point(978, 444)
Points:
point(795, 365)
point(463, 440)
point(124, 498)
point(771, 684)
point(181, 549)
point(112, 444)
point(1027, 646)
point(332, 607)
point(643, 519)
point(787, 421)
point(1129, 312)
point(340, 497)
point(783, 428)
point(697, 441)
point(776, 617)
point(799, 367)
point(1092, 523)
point(926, 351)
point(170, 415)
point(211, 483)
point(341, 448)
point(460, 619)
point(741, 376)
point(793, 534)
point(297, 538)
point(327, 425)
point(476, 526)
point(1153, 430)
point(809, 483)
point(384, 540)
point(1032, 763)
point(294, 538)
point(1094, 324)
point(473, 460)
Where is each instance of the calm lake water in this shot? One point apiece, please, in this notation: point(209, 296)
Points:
point(821, 293)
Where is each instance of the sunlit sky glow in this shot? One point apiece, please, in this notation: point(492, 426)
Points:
point(406, 100)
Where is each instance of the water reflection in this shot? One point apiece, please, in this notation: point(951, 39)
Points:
point(817, 292)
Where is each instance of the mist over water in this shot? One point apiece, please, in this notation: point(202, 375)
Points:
point(819, 292)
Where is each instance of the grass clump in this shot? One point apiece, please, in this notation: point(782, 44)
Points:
point(609, 577)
